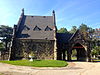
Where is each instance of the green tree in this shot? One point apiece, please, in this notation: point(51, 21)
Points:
point(74, 53)
point(1, 46)
point(83, 28)
point(62, 30)
point(95, 51)
point(86, 31)
point(73, 30)
point(6, 32)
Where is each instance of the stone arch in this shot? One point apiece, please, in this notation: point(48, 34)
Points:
point(81, 52)
point(78, 38)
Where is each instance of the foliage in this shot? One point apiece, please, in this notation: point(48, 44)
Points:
point(5, 30)
point(62, 30)
point(73, 30)
point(86, 31)
point(1, 46)
point(83, 27)
point(96, 51)
point(38, 63)
point(74, 52)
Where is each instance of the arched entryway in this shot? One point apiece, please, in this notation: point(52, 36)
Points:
point(79, 52)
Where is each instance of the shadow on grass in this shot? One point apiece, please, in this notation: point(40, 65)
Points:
point(37, 60)
point(76, 61)
point(96, 61)
point(83, 60)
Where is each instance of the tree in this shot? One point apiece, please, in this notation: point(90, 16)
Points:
point(86, 31)
point(95, 51)
point(73, 30)
point(83, 28)
point(74, 53)
point(1, 46)
point(6, 33)
point(62, 30)
point(5, 30)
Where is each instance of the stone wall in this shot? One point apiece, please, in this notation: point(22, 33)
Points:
point(42, 49)
point(4, 55)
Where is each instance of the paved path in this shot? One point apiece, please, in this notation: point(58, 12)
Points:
point(74, 68)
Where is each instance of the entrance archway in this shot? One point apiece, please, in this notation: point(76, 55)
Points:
point(80, 52)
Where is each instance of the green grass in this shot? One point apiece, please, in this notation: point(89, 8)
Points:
point(1, 74)
point(74, 58)
point(38, 63)
point(98, 60)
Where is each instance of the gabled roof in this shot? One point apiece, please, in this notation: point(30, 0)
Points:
point(32, 22)
point(73, 35)
point(38, 20)
point(63, 37)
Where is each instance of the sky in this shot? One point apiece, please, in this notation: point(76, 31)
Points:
point(68, 12)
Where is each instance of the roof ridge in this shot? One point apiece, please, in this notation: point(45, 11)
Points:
point(37, 15)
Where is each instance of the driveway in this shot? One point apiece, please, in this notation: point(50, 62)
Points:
point(74, 68)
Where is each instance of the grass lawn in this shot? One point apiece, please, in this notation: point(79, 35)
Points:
point(38, 63)
point(74, 58)
point(96, 60)
point(1, 74)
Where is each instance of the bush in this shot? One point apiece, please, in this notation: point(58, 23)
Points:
point(95, 51)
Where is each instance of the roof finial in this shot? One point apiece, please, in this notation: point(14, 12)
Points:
point(53, 12)
point(23, 10)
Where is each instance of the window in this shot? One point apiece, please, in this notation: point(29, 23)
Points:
point(32, 16)
point(48, 29)
point(36, 28)
point(26, 28)
point(44, 16)
point(25, 35)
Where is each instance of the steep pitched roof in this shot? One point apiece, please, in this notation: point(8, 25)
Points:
point(38, 20)
point(31, 22)
point(73, 35)
point(63, 37)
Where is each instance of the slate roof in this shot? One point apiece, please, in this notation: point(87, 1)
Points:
point(74, 35)
point(38, 20)
point(63, 37)
point(30, 22)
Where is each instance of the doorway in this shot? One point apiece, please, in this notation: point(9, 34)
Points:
point(78, 53)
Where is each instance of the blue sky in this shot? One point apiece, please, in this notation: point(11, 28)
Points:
point(68, 12)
